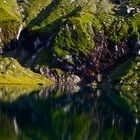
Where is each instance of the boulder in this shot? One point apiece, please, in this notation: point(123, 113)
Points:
point(1, 51)
point(76, 79)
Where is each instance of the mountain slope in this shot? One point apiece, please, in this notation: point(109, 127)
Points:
point(84, 37)
point(9, 21)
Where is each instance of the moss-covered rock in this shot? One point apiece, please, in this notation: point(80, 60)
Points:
point(70, 26)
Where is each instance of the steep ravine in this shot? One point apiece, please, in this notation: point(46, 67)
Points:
point(78, 41)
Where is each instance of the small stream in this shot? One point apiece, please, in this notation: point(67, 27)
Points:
point(68, 113)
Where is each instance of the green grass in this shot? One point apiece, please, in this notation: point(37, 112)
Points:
point(12, 73)
point(9, 20)
point(10, 7)
point(57, 10)
point(33, 8)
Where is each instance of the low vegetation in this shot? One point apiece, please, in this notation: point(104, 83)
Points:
point(9, 21)
point(11, 72)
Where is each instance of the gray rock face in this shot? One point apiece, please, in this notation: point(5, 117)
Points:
point(139, 52)
point(44, 71)
point(19, 31)
point(1, 51)
point(37, 43)
point(64, 78)
point(99, 78)
point(76, 79)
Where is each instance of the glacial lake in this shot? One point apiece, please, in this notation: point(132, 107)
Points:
point(68, 113)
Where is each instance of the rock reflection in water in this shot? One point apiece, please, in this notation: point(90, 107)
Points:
point(71, 113)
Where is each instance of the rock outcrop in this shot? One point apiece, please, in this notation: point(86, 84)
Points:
point(60, 77)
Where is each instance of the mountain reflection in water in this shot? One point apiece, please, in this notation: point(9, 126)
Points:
point(68, 113)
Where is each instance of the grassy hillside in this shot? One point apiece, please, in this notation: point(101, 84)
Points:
point(9, 20)
point(33, 8)
point(9, 6)
point(11, 72)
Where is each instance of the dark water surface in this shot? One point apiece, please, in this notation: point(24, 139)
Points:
point(60, 113)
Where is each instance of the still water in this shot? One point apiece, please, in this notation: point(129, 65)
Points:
point(68, 113)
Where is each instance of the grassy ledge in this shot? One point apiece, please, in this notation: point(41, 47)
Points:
point(11, 72)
